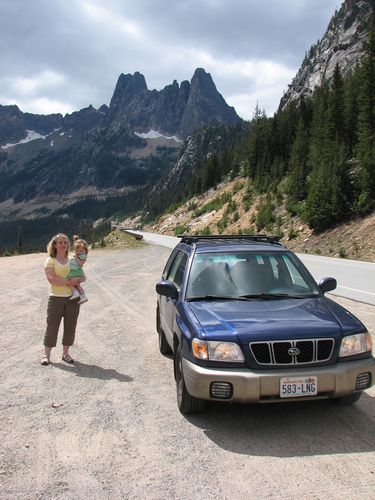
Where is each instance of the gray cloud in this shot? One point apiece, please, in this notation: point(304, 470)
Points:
point(61, 56)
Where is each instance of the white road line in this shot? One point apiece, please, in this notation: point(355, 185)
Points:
point(355, 290)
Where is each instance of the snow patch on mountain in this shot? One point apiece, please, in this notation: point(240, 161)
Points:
point(31, 136)
point(154, 134)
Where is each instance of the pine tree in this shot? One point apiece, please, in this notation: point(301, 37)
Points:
point(337, 153)
point(318, 210)
point(365, 150)
point(19, 241)
point(297, 186)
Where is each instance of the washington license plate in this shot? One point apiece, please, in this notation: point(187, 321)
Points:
point(294, 387)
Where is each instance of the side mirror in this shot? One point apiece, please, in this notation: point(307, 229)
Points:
point(168, 289)
point(327, 284)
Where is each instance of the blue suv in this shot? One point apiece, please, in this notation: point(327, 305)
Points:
point(246, 322)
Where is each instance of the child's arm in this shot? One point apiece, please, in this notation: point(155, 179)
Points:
point(79, 260)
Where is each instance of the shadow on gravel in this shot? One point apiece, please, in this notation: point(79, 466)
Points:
point(93, 371)
point(290, 430)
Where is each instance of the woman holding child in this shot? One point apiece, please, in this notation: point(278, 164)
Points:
point(57, 268)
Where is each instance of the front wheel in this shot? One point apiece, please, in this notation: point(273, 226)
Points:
point(186, 403)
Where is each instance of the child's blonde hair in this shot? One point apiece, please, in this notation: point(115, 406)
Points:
point(77, 241)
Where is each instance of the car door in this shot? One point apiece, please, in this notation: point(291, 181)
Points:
point(175, 275)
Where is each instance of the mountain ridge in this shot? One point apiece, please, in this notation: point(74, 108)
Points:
point(105, 150)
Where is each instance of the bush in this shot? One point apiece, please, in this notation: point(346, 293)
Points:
point(214, 204)
point(237, 187)
point(343, 253)
point(205, 231)
point(265, 216)
point(179, 229)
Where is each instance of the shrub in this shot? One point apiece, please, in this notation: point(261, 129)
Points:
point(179, 229)
point(214, 204)
point(343, 253)
point(265, 216)
point(237, 187)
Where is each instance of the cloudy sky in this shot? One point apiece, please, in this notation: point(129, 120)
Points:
point(62, 55)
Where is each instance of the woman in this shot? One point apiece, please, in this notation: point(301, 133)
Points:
point(57, 268)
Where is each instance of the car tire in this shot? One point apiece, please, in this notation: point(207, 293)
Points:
point(186, 404)
point(349, 399)
point(164, 347)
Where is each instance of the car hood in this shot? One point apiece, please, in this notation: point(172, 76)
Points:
point(273, 319)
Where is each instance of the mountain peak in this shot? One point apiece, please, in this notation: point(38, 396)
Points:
point(175, 110)
point(127, 87)
point(205, 105)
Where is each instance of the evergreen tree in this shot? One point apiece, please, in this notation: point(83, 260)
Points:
point(365, 150)
point(318, 208)
point(19, 241)
point(351, 111)
point(297, 186)
point(337, 150)
point(335, 114)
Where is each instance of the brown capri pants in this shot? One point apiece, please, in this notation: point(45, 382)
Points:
point(58, 308)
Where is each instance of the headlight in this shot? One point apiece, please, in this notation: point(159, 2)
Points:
point(217, 351)
point(355, 344)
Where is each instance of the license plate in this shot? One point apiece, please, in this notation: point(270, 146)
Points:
point(294, 387)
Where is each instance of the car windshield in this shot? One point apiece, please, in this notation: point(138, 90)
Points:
point(249, 275)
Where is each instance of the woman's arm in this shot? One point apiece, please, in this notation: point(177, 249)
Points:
point(56, 280)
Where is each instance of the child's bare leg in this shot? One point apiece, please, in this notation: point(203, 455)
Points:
point(80, 290)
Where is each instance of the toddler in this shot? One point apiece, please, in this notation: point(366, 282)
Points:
point(80, 248)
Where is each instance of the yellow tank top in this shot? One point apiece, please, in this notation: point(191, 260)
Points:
point(62, 271)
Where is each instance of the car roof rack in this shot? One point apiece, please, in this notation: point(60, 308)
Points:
point(190, 239)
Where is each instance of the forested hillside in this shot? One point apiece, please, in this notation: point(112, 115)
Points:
point(318, 152)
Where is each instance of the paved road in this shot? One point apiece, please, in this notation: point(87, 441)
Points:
point(355, 279)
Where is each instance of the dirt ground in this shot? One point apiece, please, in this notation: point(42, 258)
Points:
point(108, 427)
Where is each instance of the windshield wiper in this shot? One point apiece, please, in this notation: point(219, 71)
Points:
point(216, 297)
point(276, 296)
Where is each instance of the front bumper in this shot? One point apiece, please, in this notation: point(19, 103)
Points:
point(264, 386)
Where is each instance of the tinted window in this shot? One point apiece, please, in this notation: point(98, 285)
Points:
point(176, 271)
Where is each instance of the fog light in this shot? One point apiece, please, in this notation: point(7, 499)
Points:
point(221, 390)
point(363, 380)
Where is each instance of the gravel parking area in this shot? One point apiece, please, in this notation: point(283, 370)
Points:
point(108, 426)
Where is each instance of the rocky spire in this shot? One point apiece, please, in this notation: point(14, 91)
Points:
point(205, 105)
point(127, 87)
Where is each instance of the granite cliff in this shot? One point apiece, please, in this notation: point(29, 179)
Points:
point(342, 45)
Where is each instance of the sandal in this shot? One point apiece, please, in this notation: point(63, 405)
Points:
point(45, 361)
point(67, 359)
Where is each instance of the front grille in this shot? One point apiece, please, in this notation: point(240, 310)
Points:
point(292, 352)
